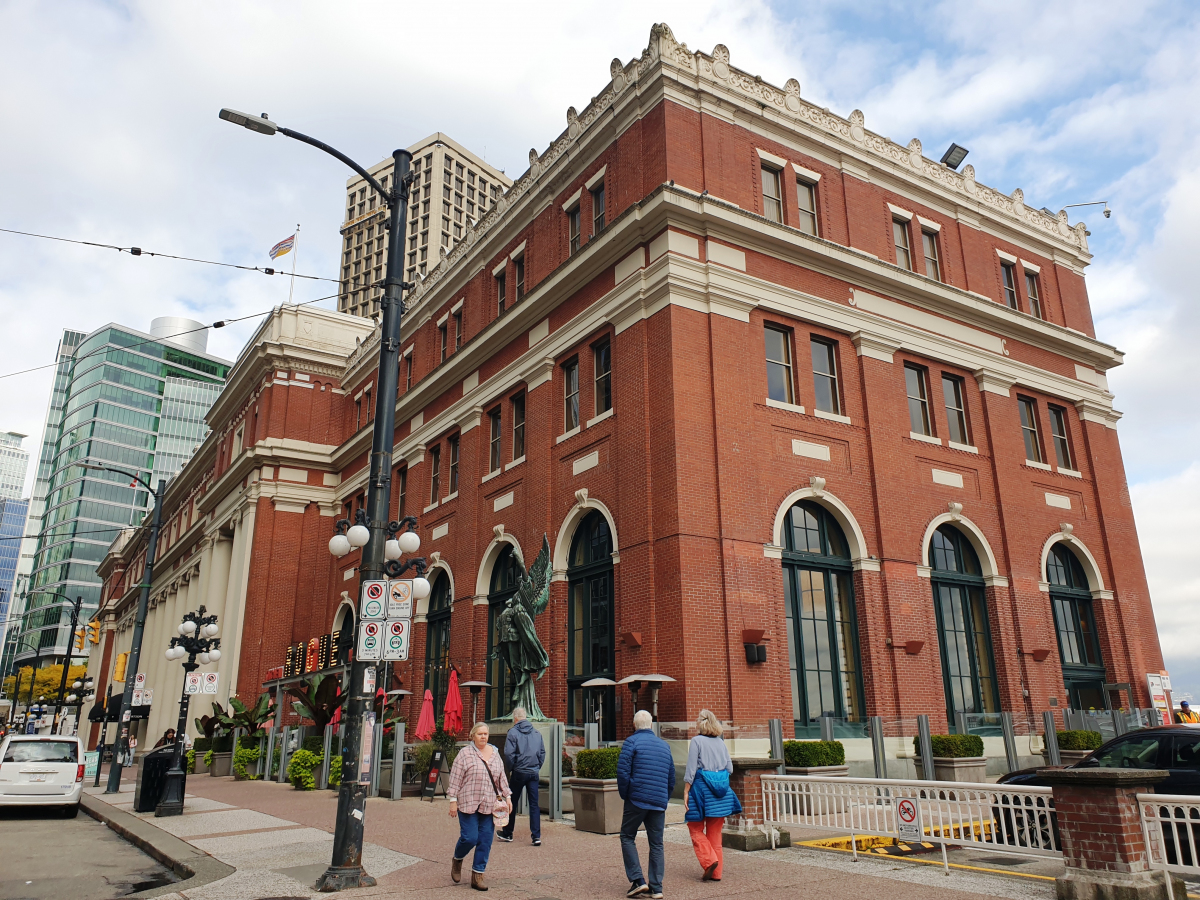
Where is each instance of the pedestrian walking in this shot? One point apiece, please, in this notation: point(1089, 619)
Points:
point(707, 794)
point(479, 797)
point(645, 780)
point(524, 752)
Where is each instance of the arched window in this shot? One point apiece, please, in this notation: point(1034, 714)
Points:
point(343, 635)
point(437, 640)
point(590, 623)
point(1078, 646)
point(822, 630)
point(506, 573)
point(964, 636)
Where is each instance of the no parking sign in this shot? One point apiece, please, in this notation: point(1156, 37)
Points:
point(374, 599)
point(370, 641)
point(395, 645)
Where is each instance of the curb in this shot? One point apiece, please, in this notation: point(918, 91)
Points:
point(195, 867)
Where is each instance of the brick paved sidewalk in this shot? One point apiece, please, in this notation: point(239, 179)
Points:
point(280, 840)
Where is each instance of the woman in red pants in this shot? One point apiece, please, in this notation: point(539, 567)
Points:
point(707, 794)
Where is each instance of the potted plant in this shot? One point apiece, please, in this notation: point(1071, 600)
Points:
point(956, 757)
point(222, 755)
point(1075, 746)
point(199, 751)
point(246, 758)
point(825, 758)
point(317, 698)
point(598, 806)
point(305, 763)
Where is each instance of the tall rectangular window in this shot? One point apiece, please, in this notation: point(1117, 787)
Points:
point(772, 207)
point(573, 229)
point(1009, 274)
point(918, 399)
point(435, 473)
point(1058, 431)
point(900, 239)
point(779, 364)
point(402, 478)
point(408, 372)
point(500, 294)
point(1035, 296)
point(454, 464)
point(598, 209)
point(571, 395)
point(602, 355)
point(442, 337)
point(494, 441)
point(933, 264)
point(458, 330)
point(806, 201)
point(1029, 429)
point(520, 265)
point(825, 379)
point(956, 409)
point(518, 426)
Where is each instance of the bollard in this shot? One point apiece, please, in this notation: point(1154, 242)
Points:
point(284, 736)
point(267, 773)
point(1010, 741)
point(826, 728)
point(926, 744)
point(877, 747)
point(398, 763)
point(555, 752)
point(376, 758)
point(775, 730)
point(323, 784)
point(591, 736)
point(1052, 756)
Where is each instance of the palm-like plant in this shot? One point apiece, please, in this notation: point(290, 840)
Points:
point(210, 725)
point(249, 718)
point(317, 698)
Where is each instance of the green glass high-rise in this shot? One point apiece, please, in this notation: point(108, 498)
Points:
point(124, 398)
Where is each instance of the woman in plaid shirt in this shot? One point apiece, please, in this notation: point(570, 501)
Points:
point(477, 788)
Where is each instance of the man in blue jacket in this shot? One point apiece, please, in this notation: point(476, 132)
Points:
point(645, 780)
point(524, 752)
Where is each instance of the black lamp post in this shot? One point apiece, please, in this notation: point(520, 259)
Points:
point(62, 685)
point(346, 869)
point(82, 691)
point(197, 638)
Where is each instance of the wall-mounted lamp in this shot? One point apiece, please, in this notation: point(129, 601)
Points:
point(756, 650)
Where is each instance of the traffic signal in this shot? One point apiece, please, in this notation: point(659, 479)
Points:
point(93, 630)
point(79, 639)
point(119, 668)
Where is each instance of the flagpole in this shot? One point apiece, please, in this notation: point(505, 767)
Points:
point(295, 253)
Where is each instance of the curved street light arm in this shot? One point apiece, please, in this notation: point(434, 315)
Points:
point(321, 145)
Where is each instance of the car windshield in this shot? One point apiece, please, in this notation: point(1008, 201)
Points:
point(42, 751)
point(1135, 753)
point(1186, 753)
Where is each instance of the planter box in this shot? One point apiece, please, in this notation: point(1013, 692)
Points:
point(251, 769)
point(822, 771)
point(1068, 757)
point(222, 764)
point(568, 796)
point(200, 768)
point(598, 806)
point(969, 769)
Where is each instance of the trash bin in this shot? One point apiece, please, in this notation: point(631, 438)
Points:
point(152, 778)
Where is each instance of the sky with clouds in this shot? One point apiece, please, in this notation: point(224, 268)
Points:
point(111, 135)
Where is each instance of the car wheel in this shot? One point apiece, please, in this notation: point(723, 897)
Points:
point(70, 812)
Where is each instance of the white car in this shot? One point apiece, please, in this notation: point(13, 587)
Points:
point(42, 770)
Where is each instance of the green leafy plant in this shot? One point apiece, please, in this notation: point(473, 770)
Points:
point(568, 765)
point(422, 755)
point(208, 758)
point(335, 771)
point(243, 757)
point(809, 754)
point(211, 726)
point(600, 763)
point(953, 746)
point(223, 743)
point(191, 761)
point(300, 769)
point(314, 743)
point(202, 744)
point(1079, 740)
point(317, 698)
point(248, 718)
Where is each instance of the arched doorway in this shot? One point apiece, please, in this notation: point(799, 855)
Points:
point(590, 623)
point(1075, 623)
point(437, 640)
point(506, 573)
point(964, 634)
point(821, 627)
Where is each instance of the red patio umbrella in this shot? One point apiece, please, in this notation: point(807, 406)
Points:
point(426, 723)
point(454, 707)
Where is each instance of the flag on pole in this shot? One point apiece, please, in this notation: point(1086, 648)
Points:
point(284, 246)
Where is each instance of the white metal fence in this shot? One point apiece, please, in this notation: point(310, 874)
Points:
point(1016, 820)
point(1171, 826)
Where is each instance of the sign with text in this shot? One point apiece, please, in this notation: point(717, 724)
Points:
point(140, 680)
point(433, 775)
point(374, 600)
point(209, 680)
point(400, 595)
point(193, 683)
point(395, 639)
point(91, 760)
point(138, 695)
point(148, 696)
point(370, 641)
point(368, 748)
point(908, 820)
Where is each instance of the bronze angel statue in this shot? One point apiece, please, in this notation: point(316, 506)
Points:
point(517, 641)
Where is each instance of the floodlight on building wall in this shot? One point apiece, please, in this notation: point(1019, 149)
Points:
point(261, 124)
point(953, 156)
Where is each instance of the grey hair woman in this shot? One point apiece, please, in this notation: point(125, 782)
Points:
point(706, 793)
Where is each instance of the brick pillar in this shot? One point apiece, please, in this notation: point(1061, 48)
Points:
point(1101, 832)
point(747, 784)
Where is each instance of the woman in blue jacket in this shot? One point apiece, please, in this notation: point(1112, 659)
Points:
point(707, 794)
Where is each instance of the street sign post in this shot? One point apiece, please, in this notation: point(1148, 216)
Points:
point(192, 683)
point(209, 682)
point(370, 641)
point(400, 597)
point(908, 821)
point(395, 647)
point(374, 600)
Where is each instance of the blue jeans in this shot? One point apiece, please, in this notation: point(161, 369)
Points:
point(527, 781)
point(477, 830)
point(655, 820)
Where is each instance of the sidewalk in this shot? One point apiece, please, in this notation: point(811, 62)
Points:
point(280, 840)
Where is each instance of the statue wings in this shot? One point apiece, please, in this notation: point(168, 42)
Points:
point(533, 592)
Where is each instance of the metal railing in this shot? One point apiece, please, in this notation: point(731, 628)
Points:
point(980, 816)
point(1171, 827)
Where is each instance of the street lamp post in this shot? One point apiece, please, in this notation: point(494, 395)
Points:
point(197, 638)
point(62, 685)
point(121, 742)
point(82, 692)
point(346, 871)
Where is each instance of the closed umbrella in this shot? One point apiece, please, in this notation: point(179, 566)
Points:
point(454, 707)
point(426, 723)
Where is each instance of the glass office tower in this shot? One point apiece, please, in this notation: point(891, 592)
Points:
point(122, 398)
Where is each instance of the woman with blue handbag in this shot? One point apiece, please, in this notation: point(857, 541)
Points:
point(707, 794)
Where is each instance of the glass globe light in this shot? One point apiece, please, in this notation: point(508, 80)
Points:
point(182, 629)
point(391, 550)
point(358, 535)
point(420, 587)
point(189, 627)
point(71, 698)
point(170, 653)
point(214, 654)
point(204, 658)
point(339, 545)
point(77, 684)
point(410, 542)
point(211, 629)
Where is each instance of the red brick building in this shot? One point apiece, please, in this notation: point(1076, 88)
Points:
point(761, 376)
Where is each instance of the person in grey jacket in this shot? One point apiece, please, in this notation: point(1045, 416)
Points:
point(524, 752)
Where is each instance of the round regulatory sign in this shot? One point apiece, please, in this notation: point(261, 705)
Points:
point(907, 810)
point(374, 591)
point(397, 629)
point(371, 629)
point(373, 608)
